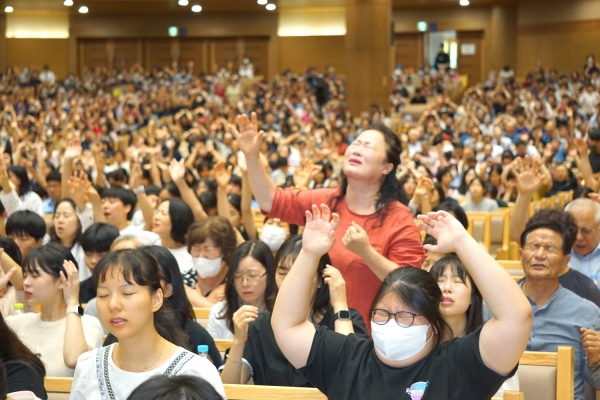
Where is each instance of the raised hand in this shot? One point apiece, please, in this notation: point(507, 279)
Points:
point(337, 287)
point(70, 283)
point(177, 171)
point(356, 239)
point(135, 177)
point(581, 146)
point(529, 178)
point(77, 190)
point(249, 138)
point(221, 174)
point(303, 175)
point(445, 228)
point(319, 237)
point(241, 319)
point(423, 188)
point(590, 340)
point(73, 149)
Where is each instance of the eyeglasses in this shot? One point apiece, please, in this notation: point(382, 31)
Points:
point(586, 231)
point(403, 318)
point(536, 246)
point(238, 280)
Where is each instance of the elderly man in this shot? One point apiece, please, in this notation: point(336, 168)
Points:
point(585, 256)
point(560, 317)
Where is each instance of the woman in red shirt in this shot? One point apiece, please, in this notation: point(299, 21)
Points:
point(376, 232)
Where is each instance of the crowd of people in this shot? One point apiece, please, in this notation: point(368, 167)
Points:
point(136, 194)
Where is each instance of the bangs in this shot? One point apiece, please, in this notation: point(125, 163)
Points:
point(31, 267)
point(111, 270)
point(456, 267)
point(286, 261)
point(134, 265)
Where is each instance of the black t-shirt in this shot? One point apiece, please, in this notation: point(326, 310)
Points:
point(197, 336)
point(595, 161)
point(579, 284)
point(87, 291)
point(346, 367)
point(269, 365)
point(25, 376)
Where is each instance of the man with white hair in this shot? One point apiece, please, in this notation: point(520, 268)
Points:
point(585, 256)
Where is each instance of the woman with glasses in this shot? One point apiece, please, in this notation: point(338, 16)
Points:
point(410, 352)
point(250, 286)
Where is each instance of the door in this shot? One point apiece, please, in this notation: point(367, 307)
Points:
point(470, 55)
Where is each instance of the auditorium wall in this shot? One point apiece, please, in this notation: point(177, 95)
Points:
point(297, 53)
point(37, 52)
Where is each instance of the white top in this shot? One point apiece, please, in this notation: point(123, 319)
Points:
point(218, 327)
point(47, 338)
point(98, 364)
point(184, 259)
point(78, 255)
point(140, 232)
point(29, 201)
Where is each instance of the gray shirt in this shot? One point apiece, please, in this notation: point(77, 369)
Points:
point(485, 205)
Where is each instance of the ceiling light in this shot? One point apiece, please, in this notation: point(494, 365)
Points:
point(83, 10)
point(183, 2)
point(262, 2)
point(68, 3)
point(196, 8)
point(270, 6)
point(9, 9)
point(464, 2)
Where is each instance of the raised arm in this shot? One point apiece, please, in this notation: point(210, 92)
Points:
point(177, 172)
point(250, 140)
point(504, 338)
point(293, 332)
point(529, 181)
point(135, 184)
point(247, 217)
point(222, 175)
point(74, 340)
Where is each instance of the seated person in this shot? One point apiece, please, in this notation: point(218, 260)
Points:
point(432, 256)
point(24, 370)
point(60, 332)
point(477, 199)
point(211, 242)
point(8, 294)
point(560, 317)
point(452, 208)
point(161, 387)
point(95, 243)
point(254, 343)
point(250, 284)
point(150, 341)
point(27, 229)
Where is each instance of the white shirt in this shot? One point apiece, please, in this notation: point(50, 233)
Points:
point(217, 327)
point(90, 367)
point(184, 259)
point(140, 232)
point(47, 338)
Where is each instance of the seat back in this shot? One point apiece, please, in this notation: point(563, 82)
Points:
point(546, 376)
point(513, 267)
point(201, 315)
point(511, 395)
point(499, 235)
point(223, 345)
point(479, 227)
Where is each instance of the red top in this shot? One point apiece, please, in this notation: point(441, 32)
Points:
point(397, 239)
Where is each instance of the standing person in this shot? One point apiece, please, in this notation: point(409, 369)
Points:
point(376, 234)
point(150, 342)
point(442, 60)
point(408, 353)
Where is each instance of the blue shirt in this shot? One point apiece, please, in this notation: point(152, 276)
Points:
point(48, 206)
point(557, 323)
point(587, 265)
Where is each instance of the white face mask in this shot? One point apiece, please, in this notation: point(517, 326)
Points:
point(207, 268)
point(396, 343)
point(273, 236)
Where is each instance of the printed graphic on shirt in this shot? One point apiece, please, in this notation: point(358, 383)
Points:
point(417, 390)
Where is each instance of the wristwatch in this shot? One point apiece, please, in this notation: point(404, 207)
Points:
point(342, 315)
point(139, 190)
point(75, 310)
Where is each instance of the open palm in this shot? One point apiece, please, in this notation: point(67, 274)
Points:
point(445, 228)
point(249, 138)
point(318, 237)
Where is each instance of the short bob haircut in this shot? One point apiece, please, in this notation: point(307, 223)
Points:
point(99, 237)
point(142, 268)
point(454, 208)
point(21, 173)
point(418, 291)
point(181, 218)
point(48, 258)
point(26, 223)
point(186, 387)
point(261, 253)
point(286, 256)
point(475, 309)
point(558, 221)
point(219, 230)
point(126, 196)
point(53, 236)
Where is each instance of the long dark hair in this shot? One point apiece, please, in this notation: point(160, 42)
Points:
point(418, 291)
point(175, 387)
point(261, 253)
point(21, 173)
point(13, 350)
point(53, 236)
point(142, 268)
point(390, 189)
point(287, 254)
point(462, 189)
point(475, 311)
point(181, 218)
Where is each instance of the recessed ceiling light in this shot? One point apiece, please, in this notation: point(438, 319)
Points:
point(83, 10)
point(68, 3)
point(196, 8)
point(262, 2)
point(9, 9)
point(464, 2)
point(270, 6)
point(183, 2)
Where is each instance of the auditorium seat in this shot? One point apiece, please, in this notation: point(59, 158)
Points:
point(201, 315)
point(547, 376)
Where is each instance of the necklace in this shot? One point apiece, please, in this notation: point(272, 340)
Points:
point(119, 364)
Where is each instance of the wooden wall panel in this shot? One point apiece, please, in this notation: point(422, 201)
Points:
point(159, 53)
point(409, 50)
point(299, 53)
point(94, 53)
point(125, 53)
point(226, 50)
point(194, 50)
point(257, 50)
point(471, 65)
point(37, 52)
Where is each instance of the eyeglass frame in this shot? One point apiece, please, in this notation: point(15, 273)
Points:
point(414, 315)
point(250, 279)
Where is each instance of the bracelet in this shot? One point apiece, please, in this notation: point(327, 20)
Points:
point(233, 361)
point(139, 190)
point(593, 365)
